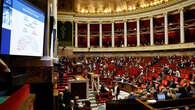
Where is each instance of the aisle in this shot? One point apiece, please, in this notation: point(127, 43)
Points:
point(92, 99)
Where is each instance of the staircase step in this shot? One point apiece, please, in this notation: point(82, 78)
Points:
point(91, 91)
point(91, 98)
point(91, 94)
point(93, 105)
point(93, 101)
point(94, 108)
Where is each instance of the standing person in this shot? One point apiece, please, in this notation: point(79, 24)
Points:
point(67, 96)
point(103, 89)
point(5, 79)
point(116, 91)
point(61, 101)
point(72, 106)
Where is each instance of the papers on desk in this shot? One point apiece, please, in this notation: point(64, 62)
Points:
point(151, 101)
point(77, 78)
point(78, 63)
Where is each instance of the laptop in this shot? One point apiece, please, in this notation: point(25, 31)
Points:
point(178, 95)
point(161, 96)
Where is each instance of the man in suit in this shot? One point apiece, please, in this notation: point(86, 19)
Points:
point(5, 79)
point(72, 106)
point(67, 96)
point(61, 101)
point(103, 89)
point(116, 91)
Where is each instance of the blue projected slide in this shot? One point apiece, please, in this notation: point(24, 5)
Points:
point(22, 29)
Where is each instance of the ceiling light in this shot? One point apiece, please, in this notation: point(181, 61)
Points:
point(82, 10)
point(118, 9)
point(130, 8)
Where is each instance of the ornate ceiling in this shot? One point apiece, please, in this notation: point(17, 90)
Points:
point(105, 6)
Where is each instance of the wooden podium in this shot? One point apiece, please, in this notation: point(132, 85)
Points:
point(78, 86)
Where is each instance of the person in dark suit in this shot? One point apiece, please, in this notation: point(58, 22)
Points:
point(61, 101)
point(116, 91)
point(72, 106)
point(103, 89)
point(5, 79)
point(172, 84)
point(67, 96)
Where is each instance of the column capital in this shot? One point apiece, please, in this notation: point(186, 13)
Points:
point(165, 13)
point(137, 19)
point(76, 21)
point(124, 20)
point(151, 17)
point(100, 22)
point(180, 9)
point(112, 21)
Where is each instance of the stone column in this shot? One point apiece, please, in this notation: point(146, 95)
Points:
point(113, 34)
point(151, 32)
point(125, 33)
point(55, 26)
point(76, 34)
point(88, 35)
point(182, 39)
point(138, 32)
point(100, 30)
point(166, 28)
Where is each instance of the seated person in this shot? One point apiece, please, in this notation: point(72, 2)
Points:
point(87, 104)
point(191, 91)
point(103, 89)
point(72, 106)
point(172, 84)
point(117, 78)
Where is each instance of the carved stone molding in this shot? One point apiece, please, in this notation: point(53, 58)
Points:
point(140, 13)
point(137, 49)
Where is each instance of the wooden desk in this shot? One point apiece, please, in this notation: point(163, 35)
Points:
point(127, 86)
point(81, 78)
point(78, 86)
point(169, 104)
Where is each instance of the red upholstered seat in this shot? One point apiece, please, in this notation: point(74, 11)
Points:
point(93, 40)
point(143, 86)
point(132, 24)
point(184, 82)
point(172, 34)
point(192, 31)
point(104, 40)
point(88, 108)
point(110, 87)
point(132, 39)
point(84, 39)
point(164, 82)
point(64, 75)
